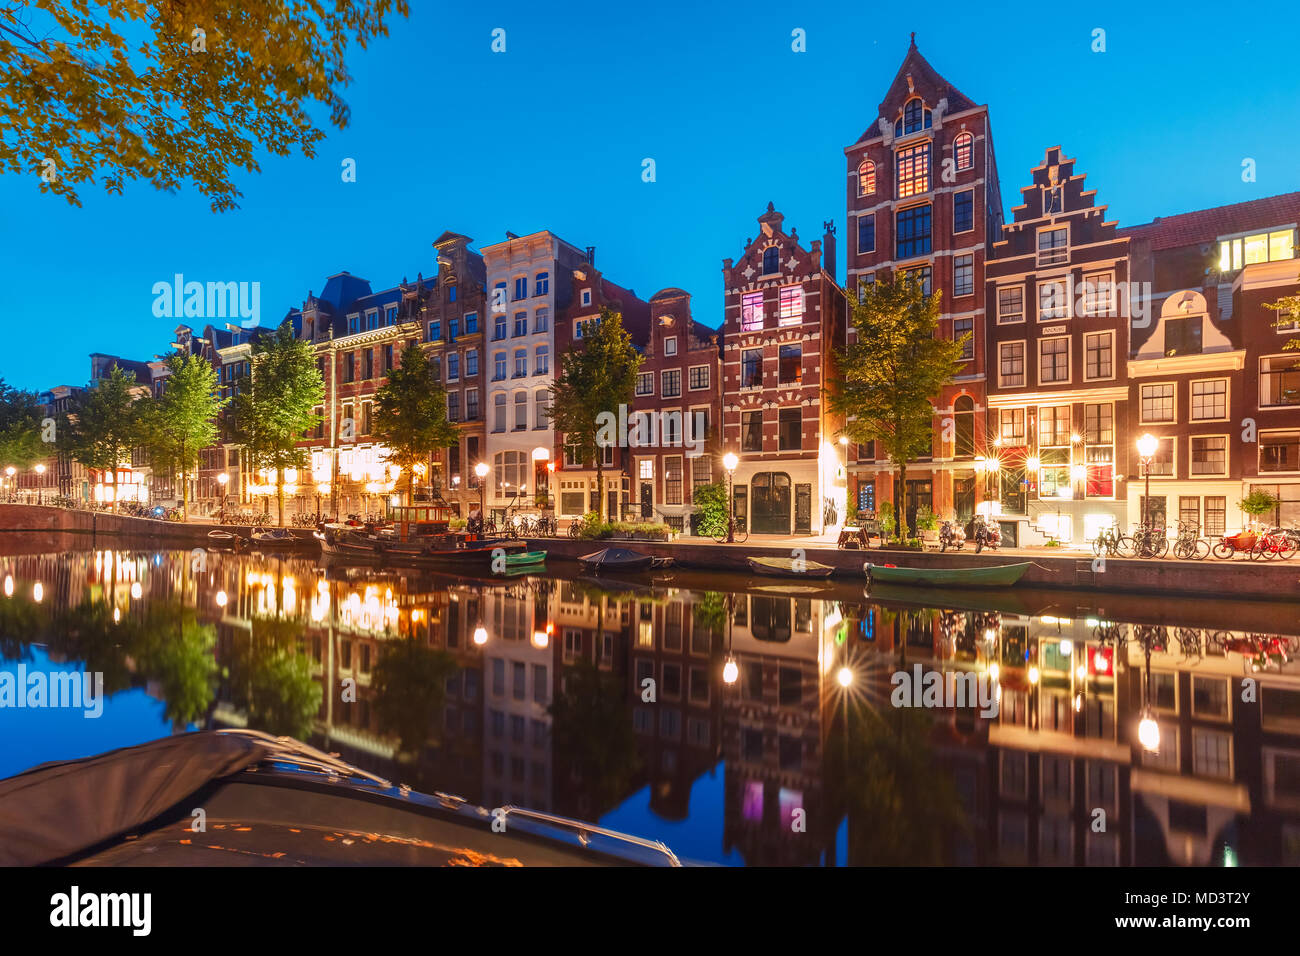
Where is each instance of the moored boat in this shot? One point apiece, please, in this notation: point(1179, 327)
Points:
point(790, 568)
point(525, 559)
point(276, 538)
point(616, 559)
point(995, 576)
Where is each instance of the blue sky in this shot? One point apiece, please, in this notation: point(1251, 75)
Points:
point(552, 134)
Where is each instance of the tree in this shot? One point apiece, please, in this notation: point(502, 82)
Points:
point(103, 423)
point(172, 92)
point(711, 504)
point(1258, 503)
point(20, 428)
point(183, 420)
point(276, 405)
point(411, 413)
point(598, 374)
point(1288, 313)
point(890, 375)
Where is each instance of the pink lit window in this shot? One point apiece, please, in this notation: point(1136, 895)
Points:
point(751, 312)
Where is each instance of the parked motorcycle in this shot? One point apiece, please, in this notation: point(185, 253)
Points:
point(951, 535)
point(986, 535)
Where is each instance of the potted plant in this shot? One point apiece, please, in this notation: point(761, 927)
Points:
point(1256, 504)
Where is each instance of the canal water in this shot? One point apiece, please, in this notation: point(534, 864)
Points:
point(743, 721)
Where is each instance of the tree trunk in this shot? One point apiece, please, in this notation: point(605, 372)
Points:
point(279, 492)
point(900, 499)
point(600, 483)
point(184, 496)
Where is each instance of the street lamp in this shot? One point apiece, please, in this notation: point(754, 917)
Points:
point(40, 483)
point(1147, 446)
point(729, 462)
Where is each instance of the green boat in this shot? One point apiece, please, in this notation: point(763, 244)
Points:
point(997, 576)
point(525, 559)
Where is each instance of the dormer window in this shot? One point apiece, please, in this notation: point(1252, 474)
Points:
point(963, 149)
point(866, 178)
point(1271, 246)
point(771, 260)
point(915, 118)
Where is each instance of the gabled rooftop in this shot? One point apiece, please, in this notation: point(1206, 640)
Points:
point(1206, 225)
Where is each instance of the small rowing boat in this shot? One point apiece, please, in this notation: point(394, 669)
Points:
point(525, 559)
point(995, 576)
point(616, 559)
point(790, 568)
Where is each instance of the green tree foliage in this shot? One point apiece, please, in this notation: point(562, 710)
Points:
point(711, 504)
point(20, 428)
point(411, 413)
point(1258, 502)
point(183, 420)
point(1288, 312)
point(172, 92)
point(593, 733)
point(276, 405)
point(104, 422)
point(597, 374)
point(270, 677)
point(891, 374)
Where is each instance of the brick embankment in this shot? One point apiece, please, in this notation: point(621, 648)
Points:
point(92, 524)
point(1240, 578)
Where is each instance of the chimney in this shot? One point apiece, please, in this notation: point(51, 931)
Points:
point(828, 248)
point(591, 255)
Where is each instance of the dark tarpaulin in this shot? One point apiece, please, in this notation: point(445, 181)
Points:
point(58, 809)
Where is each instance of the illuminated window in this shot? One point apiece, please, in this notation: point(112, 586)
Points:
point(647, 468)
point(1098, 355)
point(1279, 381)
point(913, 165)
point(751, 368)
point(1158, 403)
point(866, 178)
point(1011, 426)
point(1054, 426)
point(964, 151)
point(1099, 294)
point(791, 305)
point(1271, 246)
point(1209, 455)
point(751, 312)
point(914, 119)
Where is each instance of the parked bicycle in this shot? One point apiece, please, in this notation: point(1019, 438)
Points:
point(1150, 542)
point(1189, 545)
point(1112, 543)
point(1273, 544)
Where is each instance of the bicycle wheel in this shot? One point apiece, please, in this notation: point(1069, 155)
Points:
point(1222, 550)
point(1184, 549)
point(1202, 550)
point(1125, 547)
point(1286, 547)
point(1259, 550)
point(1160, 547)
point(1098, 546)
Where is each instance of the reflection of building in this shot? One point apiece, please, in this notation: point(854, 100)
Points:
point(785, 316)
point(773, 730)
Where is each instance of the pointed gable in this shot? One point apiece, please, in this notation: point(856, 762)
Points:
point(916, 77)
point(793, 262)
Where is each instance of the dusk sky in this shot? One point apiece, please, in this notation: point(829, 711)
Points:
point(551, 134)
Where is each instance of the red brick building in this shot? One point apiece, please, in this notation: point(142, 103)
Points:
point(784, 319)
point(923, 197)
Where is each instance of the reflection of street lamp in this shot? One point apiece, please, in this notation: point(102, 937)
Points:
point(1147, 446)
point(729, 462)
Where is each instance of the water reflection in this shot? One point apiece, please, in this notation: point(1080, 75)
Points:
point(737, 720)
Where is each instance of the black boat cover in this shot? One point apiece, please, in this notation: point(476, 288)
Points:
point(43, 818)
point(616, 558)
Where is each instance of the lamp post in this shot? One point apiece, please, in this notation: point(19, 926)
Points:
point(1147, 446)
point(40, 483)
point(13, 482)
point(729, 462)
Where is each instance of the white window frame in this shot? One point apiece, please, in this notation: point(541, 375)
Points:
point(971, 257)
point(1069, 358)
point(1142, 419)
point(1191, 399)
point(1064, 283)
point(670, 345)
point(1260, 472)
point(1024, 356)
point(1227, 452)
point(698, 388)
point(1057, 257)
point(956, 193)
point(1114, 361)
point(586, 297)
point(998, 301)
point(1109, 277)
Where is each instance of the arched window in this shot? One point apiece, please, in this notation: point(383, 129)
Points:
point(499, 412)
point(542, 399)
point(771, 260)
point(866, 178)
point(915, 116)
point(963, 149)
point(963, 413)
point(521, 411)
point(542, 365)
point(511, 470)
